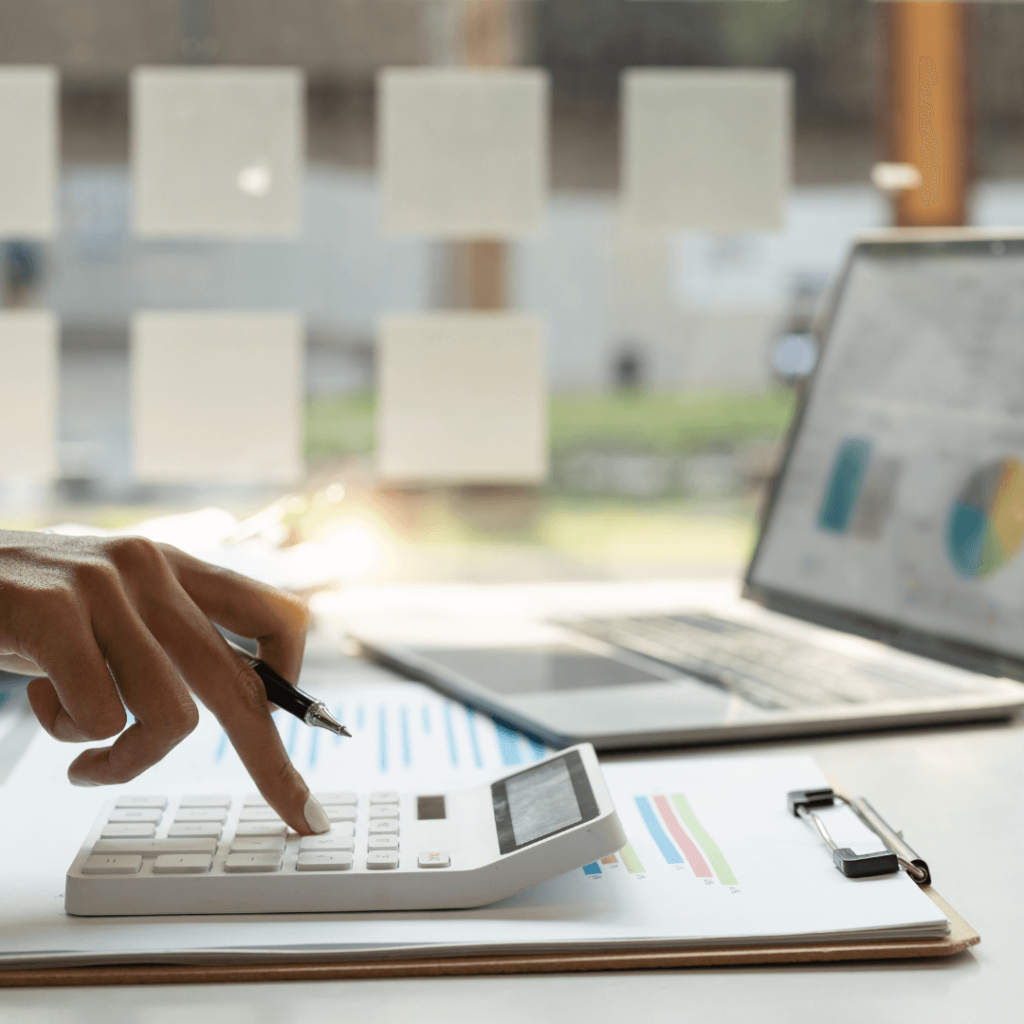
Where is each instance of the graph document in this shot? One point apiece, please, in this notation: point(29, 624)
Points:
point(903, 497)
point(713, 854)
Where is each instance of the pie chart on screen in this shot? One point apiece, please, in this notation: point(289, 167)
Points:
point(986, 522)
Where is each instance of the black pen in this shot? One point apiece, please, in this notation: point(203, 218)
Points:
point(289, 697)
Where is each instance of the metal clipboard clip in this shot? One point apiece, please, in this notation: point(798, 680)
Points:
point(896, 855)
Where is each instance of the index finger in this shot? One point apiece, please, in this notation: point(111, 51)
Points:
point(276, 620)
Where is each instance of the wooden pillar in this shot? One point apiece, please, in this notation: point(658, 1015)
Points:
point(489, 39)
point(927, 111)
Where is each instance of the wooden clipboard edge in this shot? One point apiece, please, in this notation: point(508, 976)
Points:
point(961, 937)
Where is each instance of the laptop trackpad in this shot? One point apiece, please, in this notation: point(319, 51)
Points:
point(543, 668)
point(639, 708)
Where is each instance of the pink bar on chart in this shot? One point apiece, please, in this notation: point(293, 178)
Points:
point(686, 844)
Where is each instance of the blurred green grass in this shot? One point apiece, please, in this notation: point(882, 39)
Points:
point(651, 422)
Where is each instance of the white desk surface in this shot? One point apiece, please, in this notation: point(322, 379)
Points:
point(956, 791)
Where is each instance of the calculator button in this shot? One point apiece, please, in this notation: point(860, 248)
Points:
point(182, 864)
point(386, 796)
point(434, 859)
point(130, 800)
point(259, 814)
point(333, 861)
point(327, 842)
point(111, 865)
point(139, 814)
point(261, 828)
point(205, 801)
point(128, 831)
point(382, 860)
point(252, 862)
point(254, 800)
point(268, 844)
point(384, 810)
point(337, 812)
point(382, 843)
point(382, 826)
point(156, 846)
point(205, 814)
point(195, 830)
point(337, 798)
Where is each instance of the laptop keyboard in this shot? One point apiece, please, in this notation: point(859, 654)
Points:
point(767, 669)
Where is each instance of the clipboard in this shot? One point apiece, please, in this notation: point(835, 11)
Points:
point(961, 937)
point(643, 956)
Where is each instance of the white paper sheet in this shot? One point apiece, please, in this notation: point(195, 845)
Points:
point(28, 408)
point(771, 876)
point(463, 153)
point(29, 142)
point(706, 148)
point(217, 152)
point(217, 396)
point(462, 398)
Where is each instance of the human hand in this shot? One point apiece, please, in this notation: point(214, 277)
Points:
point(121, 622)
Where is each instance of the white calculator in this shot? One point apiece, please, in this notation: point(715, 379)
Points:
point(213, 854)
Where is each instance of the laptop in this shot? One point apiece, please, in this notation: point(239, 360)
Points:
point(887, 584)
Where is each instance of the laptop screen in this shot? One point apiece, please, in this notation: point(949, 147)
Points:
point(902, 496)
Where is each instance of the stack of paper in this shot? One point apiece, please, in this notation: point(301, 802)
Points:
point(714, 857)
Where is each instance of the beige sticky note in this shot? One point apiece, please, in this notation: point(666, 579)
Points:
point(708, 149)
point(29, 152)
point(217, 152)
point(217, 396)
point(29, 348)
point(463, 153)
point(462, 398)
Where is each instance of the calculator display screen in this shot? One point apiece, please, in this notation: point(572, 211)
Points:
point(542, 801)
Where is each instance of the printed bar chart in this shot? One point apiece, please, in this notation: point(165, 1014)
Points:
point(707, 844)
point(631, 860)
point(398, 736)
point(681, 838)
point(686, 844)
point(662, 841)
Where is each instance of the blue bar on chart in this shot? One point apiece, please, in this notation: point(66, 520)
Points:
point(453, 751)
point(508, 744)
point(592, 869)
point(426, 719)
point(383, 719)
point(403, 719)
point(314, 743)
point(536, 749)
point(668, 850)
point(474, 742)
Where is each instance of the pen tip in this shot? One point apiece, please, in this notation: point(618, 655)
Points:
point(344, 732)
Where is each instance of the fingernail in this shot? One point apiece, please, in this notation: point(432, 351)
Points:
point(83, 783)
point(316, 816)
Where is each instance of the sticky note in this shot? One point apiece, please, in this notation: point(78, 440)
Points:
point(29, 348)
point(217, 152)
point(463, 153)
point(29, 152)
point(217, 397)
point(462, 398)
point(708, 149)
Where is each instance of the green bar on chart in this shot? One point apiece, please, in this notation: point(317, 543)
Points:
point(631, 860)
point(706, 843)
